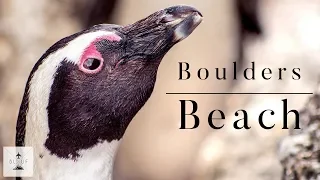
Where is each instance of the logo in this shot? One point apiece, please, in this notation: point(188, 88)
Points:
point(17, 161)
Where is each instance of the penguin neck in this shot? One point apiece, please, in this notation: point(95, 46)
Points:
point(95, 162)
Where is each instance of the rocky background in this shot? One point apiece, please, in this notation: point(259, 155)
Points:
point(154, 148)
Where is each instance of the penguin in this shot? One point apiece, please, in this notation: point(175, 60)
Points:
point(85, 89)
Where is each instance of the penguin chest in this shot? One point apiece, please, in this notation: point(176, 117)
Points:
point(95, 163)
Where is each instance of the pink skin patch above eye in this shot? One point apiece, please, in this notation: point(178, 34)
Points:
point(92, 52)
point(112, 37)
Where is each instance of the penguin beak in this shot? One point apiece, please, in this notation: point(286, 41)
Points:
point(182, 19)
point(152, 37)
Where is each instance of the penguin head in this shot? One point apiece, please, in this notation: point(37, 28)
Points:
point(87, 87)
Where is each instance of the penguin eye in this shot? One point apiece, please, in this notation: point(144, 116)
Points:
point(91, 65)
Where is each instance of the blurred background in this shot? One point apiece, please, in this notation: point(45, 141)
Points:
point(273, 33)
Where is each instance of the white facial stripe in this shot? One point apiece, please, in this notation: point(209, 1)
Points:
point(75, 48)
point(40, 86)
